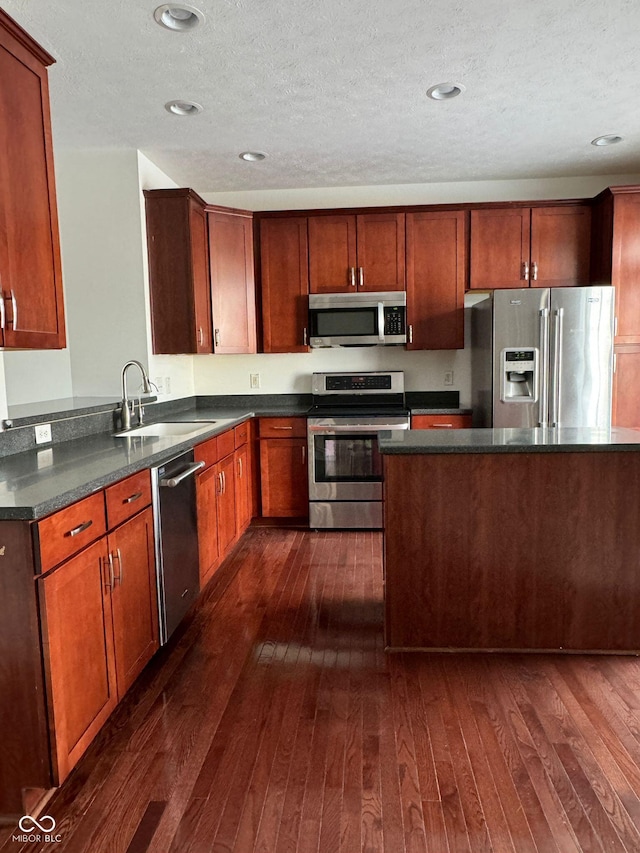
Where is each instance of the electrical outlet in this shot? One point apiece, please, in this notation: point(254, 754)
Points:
point(42, 433)
point(167, 384)
point(254, 380)
point(448, 377)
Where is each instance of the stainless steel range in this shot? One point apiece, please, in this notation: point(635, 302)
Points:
point(345, 466)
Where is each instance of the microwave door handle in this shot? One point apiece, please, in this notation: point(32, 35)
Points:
point(381, 322)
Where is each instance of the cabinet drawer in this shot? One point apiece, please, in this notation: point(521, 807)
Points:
point(68, 531)
point(207, 452)
point(440, 421)
point(127, 497)
point(241, 433)
point(283, 427)
point(226, 443)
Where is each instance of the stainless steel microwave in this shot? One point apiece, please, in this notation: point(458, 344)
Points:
point(358, 319)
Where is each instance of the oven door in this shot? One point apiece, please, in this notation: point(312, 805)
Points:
point(344, 461)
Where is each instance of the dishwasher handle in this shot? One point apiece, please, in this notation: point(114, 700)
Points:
point(172, 482)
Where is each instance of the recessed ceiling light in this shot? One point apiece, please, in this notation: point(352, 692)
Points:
point(183, 108)
point(611, 139)
point(445, 91)
point(252, 156)
point(177, 16)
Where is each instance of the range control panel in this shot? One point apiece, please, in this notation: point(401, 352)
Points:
point(358, 383)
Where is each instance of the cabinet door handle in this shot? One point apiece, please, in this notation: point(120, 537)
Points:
point(109, 563)
point(220, 483)
point(534, 271)
point(200, 336)
point(217, 337)
point(410, 333)
point(3, 312)
point(304, 337)
point(360, 277)
point(304, 454)
point(525, 270)
point(118, 556)
point(80, 528)
point(132, 498)
point(224, 482)
point(352, 276)
point(240, 466)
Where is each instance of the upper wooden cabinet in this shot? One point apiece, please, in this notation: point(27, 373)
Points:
point(616, 255)
point(232, 281)
point(178, 271)
point(530, 247)
point(359, 252)
point(284, 284)
point(31, 304)
point(436, 279)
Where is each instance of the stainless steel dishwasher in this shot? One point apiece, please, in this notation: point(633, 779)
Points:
point(176, 539)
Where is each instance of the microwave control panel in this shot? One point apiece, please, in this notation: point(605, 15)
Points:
point(394, 321)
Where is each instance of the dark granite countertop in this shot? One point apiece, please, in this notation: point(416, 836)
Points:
point(508, 441)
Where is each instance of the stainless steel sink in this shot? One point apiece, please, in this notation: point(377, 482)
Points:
point(175, 429)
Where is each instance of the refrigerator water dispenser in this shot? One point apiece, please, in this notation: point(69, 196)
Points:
point(519, 372)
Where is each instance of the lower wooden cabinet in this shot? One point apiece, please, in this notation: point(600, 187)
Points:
point(242, 473)
point(79, 657)
point(226, 503)
point(285, 487)
point(134, 600)
point(440, 421)
point(100, 628)
point(206, 498)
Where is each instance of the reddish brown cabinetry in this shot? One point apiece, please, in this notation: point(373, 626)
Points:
point(178, 271)
point(440, 421)
point(356, 252)
point(232, 281)
point(436, 279)
point(530, 247)
point(284, 284)
point(283, 467)
point(31, 302)
point(99, 612)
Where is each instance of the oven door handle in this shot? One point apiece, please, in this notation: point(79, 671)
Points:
point(381, 322)
point(356, 428)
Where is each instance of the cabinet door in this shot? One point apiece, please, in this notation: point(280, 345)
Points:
point(284, 281)
point(30, 270)
point(560, 246)
point(134, 598)
point(436, 279)
point(285, 485)
point(178, 271)
point(332, 254)
point(232, 282)
point(626, 382)
point(243, 489)
point(226, 504)
point(380, 251)
point(199, 248)
point(77, 630)
point(499, 248)
point(625, 272)
point(206, 497)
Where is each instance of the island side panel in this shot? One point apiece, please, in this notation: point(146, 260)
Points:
point(513, 551)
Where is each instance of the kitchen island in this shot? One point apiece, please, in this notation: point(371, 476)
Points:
point(512, 539)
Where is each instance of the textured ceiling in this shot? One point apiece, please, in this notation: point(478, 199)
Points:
point(334, 90)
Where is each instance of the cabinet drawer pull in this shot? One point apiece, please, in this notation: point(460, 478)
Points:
point(281, 427)
point(442, 426)
point(132, 498)
point(80, 528)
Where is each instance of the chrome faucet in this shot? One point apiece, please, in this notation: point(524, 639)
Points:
point(127, 406)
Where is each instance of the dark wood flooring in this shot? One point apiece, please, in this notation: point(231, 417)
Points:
point(277, 723)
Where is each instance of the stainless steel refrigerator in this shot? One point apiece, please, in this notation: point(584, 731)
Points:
point(543, 357)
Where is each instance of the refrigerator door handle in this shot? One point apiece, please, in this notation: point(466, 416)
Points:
point(556, 368)
point(543, 369)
